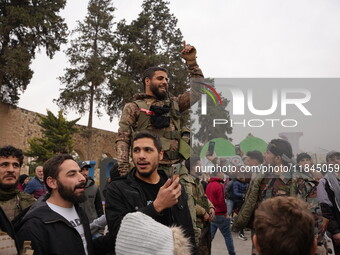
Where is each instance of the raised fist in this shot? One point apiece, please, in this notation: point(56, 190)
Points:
point(188, 52)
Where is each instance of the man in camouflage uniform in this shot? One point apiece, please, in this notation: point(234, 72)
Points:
point(12, 200)
point(271, 184)
point(307, 191)
point(157, 111)
point(328, 194)
point(307, 182)
point(202, 211)
point(305, 165)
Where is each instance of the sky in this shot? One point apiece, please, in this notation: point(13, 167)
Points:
point(234, 39)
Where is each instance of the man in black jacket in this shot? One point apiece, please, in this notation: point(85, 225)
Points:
point(148, 190)
point(56, 224)
point(8, 242)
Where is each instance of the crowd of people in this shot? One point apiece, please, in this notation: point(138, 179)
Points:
point(150, 209)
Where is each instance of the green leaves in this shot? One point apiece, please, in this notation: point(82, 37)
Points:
point(57, 137)
point(25, 27)
point(107, 64)
point(107, 60)
point(91, 56)
point(150, 40)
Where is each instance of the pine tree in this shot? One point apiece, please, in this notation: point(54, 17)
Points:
point(57, 137)
point(151, 40)
point(26, 26)
point(91, 58)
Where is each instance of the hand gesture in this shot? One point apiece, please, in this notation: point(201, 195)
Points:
point(188, 52)
point(167, 195)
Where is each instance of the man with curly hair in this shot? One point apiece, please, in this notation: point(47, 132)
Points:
point(13, 202)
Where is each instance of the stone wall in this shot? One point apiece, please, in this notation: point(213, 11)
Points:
point(17, 125)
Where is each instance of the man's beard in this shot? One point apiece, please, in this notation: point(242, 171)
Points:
point(157, 93)
point(147, 174)
point(9, 187)
point(69, 195)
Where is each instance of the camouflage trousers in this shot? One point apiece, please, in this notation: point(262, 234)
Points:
point(204, 246)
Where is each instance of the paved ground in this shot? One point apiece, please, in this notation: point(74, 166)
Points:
point(241, 247)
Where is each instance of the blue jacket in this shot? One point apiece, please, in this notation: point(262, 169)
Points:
point(240, 189)
point(35, 187)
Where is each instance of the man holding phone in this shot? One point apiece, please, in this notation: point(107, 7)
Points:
point(148, 190)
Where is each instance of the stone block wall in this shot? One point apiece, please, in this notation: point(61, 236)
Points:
point(17, 125)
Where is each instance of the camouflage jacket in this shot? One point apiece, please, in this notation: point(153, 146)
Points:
point(270, 185)
point(202, 203)
point(307, 191)
point(264, 186)
point(13, 207)
point(131, 112)
point(198, 202)
point(277, 185)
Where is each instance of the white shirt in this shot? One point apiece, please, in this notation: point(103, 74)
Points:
point(72, 216)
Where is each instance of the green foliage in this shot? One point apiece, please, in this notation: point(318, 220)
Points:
point(26, 26)
point(91, 56)
point(57, 137)
point(151, 40)
point(206, 131)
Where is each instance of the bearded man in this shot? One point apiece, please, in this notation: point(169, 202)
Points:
point(13, 202)
point(159, 112)
point(56, 224)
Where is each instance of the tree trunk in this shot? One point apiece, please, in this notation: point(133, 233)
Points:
point(1, 79)
point(2, 63)
point(89, 125)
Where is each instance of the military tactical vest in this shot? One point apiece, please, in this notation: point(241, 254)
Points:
point(166, 136)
